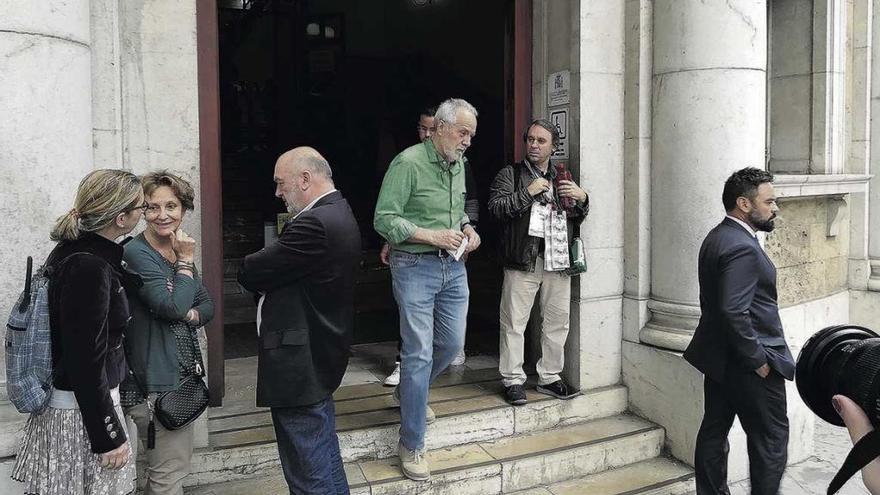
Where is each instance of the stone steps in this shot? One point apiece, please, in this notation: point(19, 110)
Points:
point(658, 476)
point(563, 459)
point(242, 440)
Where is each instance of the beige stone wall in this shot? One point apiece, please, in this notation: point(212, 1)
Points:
point(810, 264)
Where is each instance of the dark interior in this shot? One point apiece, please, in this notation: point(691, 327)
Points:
point(349, 78)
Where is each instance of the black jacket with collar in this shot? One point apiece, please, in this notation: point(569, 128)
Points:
point(510, 203)
point(739, 326)
point(88, 312)
point(308, 277)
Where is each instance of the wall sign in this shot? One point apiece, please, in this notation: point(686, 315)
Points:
point(558, 88)
point(559, 118)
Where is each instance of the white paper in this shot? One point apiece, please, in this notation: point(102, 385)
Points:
point(260, 313)
point(556, 256)
point(537, 217)
point(456, 253)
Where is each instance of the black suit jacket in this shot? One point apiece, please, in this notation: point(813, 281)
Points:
point(308, 277)
point(739, 326)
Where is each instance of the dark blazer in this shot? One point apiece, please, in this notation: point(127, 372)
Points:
point(308, 277)
point(739, 326)
point(88, 313)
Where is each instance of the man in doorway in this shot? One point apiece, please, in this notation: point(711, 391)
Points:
point(420, 212)
point(516, 191)
point(739, 344)
point(425, 127)
point(305, 319)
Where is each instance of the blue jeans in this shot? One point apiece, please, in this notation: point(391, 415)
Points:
point(432, 298)
point(309, 449)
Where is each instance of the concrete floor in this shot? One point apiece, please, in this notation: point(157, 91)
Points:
point(812, 476)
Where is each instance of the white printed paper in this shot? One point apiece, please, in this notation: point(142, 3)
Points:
point(556, 257)
point(537, 217)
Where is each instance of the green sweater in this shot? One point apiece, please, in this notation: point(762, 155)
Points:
point(150, 344)
point(420, 190)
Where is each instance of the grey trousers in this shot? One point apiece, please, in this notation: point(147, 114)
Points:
point(517, 297)
point(169, 462)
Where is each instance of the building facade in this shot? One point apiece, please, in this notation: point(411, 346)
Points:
point(660, 100)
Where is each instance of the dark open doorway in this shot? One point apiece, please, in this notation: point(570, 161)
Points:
point(349, 78)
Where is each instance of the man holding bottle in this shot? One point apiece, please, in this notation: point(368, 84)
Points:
point(520, 196)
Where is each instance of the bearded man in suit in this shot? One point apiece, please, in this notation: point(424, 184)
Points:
point(739, 344)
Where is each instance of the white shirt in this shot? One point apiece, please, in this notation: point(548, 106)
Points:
point(310, 205)
point(263, 296)
point(746, 226)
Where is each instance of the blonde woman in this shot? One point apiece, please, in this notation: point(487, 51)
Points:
point(79, 445)
point(166, 311)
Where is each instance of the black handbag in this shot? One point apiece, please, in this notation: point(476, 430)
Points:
point(180, 407)
point(177, 408)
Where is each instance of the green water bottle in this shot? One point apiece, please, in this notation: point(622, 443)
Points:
point(578, 259)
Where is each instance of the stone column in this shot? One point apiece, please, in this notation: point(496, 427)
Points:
point(709, 102)
point(874, 156)
point(45, 147)
point(594, 345)
point(45, 132)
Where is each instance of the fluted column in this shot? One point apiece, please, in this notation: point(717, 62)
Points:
point(709, 99)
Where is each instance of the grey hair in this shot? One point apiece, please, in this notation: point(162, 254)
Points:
point(448, 110)
point(317, 165)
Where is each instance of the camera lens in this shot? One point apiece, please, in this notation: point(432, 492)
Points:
point(843, 359)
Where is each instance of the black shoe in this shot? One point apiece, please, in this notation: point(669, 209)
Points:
point(515, 394)
point(558, 389)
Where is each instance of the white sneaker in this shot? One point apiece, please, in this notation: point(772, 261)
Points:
point(393, 379)
point(459, 359)
point(413, 463)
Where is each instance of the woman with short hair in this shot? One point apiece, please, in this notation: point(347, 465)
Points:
point(161, 340)
point(79, 444)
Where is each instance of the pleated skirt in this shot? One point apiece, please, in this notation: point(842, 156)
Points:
point(55, 458)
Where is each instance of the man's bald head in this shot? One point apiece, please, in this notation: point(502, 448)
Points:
point(305, 157)
point(301, 175)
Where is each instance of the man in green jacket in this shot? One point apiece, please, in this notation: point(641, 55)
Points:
point(420, 212)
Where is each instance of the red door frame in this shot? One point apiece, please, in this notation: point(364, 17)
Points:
point(208, 54)
point(518, 112)
point(518, 77)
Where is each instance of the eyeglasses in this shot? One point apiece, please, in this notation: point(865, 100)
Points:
point(144, 207)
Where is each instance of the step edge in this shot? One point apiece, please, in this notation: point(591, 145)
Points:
point(662, 484)
point(557, 450)
point(646, 430)
point(543, 398)
point(591, 392)
point(623, 412)
point(363, 412)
